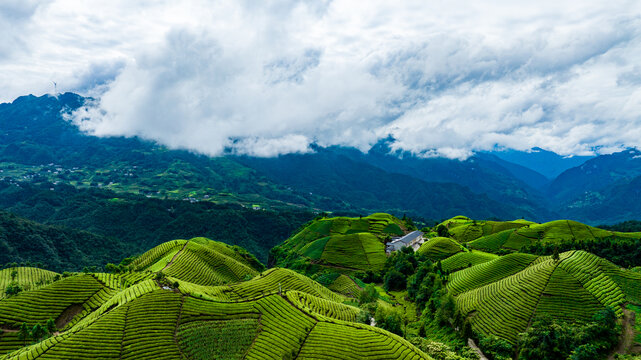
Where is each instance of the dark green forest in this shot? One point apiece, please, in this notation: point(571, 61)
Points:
point(139, 222)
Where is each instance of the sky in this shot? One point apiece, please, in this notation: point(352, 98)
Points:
point(263, 78)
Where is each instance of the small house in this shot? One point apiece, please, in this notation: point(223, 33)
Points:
point(407, 240)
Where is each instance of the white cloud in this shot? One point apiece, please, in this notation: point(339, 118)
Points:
point(444, 79)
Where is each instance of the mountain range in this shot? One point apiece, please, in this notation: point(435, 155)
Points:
point(38, 144)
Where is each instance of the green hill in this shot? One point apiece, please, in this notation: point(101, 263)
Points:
point(453, 255)
point(466, 259)
point(551, 232)
point(194, 299)
point(502, 296)
point(199, 261)
point(464, 229)
point(438, 248)
point(342, 243)
point(26, 278)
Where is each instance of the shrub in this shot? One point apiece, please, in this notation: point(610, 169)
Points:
point(13, 289)
point(389, 320)
point(368, 295)
point(496, 348)
point(394, 281)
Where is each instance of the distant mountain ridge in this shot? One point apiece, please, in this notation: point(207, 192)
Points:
point(504, 185)
point(547, 163)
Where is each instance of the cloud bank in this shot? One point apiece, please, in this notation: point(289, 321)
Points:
point(272, 77)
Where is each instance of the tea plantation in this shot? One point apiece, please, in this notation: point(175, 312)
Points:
point(193, 299)
point(342, 297)
point(342, 243)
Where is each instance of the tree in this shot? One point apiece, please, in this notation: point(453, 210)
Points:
point(112, 268)
point(368, 295)
point(14, 273)
point(363, 317)
point(497, 348)
point(13, 289)
point(446, 309)
point(585, 352)
point(389, 320)
point(442, 231)
point(38, 332)
point(555, 254)
point(51, 326)
point(394, 281)
point(23, 333)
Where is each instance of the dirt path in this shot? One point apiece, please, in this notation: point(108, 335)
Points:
point(476, 349)
point(627, 334)
point(174, 257)
point(68, 314)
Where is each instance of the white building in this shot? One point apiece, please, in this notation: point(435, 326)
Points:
point(407, 240)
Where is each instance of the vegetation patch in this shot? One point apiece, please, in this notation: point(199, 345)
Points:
point(222, 339)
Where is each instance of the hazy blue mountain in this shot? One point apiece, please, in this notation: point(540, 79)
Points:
point(332, 173)
point(483, 174)
point(610, 205)
point(597, 174)
point(545, 162)
point(526, 175)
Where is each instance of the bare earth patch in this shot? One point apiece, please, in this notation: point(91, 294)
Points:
point(68, 315)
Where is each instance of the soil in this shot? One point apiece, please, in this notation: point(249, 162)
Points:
point(174, 257)
point(626, 341)
point(68, 315)
point(476, 349)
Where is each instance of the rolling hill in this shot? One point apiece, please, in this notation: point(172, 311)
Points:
point(502, 296)
point(342, 243)
point(165, 306)
point(551, 233)
point(438, 248)
point(464, 229)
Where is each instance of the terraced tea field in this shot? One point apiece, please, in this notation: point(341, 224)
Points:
point(199, 299)
point(27, 278)
point(166, 324)
point(552, 232)
point(342, 243)
point(502, 296)
point(464, 229)
point(438, 248)
point(466, 259)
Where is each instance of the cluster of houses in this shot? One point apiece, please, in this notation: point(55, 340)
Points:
point(413, 239)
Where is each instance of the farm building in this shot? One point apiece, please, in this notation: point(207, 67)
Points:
point(407, 240)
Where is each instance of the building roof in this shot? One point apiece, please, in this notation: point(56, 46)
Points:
point(408, 238)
